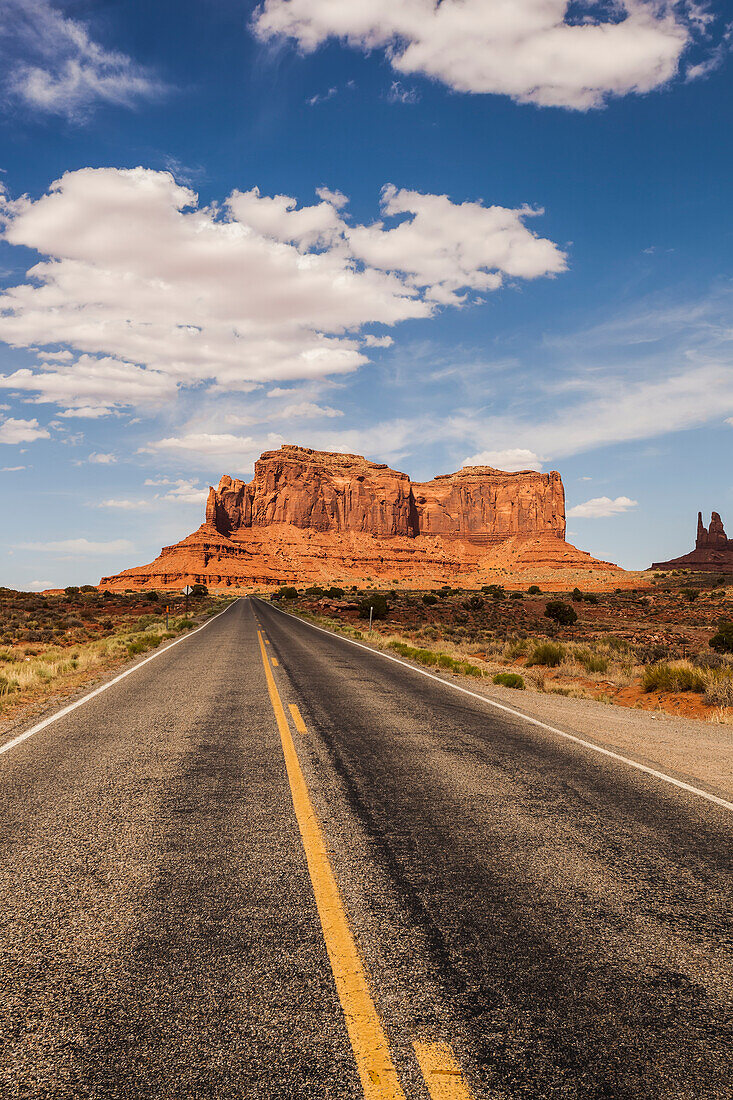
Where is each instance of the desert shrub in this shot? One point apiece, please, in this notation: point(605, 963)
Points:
point(496, 591)
point(534, 590)
point(315, 590)
point(591, 662)
point(517, 648)
point(719, 687)
point(510, 680)
point(7, 686)
point(435, 660)
point(667, 677)
point(72, 590)
point(561, 613)
point(691, 594)
point(199, 590)
point(378, 602)
point(473, 603)
point(591, 597)
point(335, 593)
point(516, 596)
point(577, 595)
point(185, 624)
point(547, 653)
point(87, 588)
point(722, 642)
point(650, 653)
point(7, 656)
point(429, 599)
point(287, 592)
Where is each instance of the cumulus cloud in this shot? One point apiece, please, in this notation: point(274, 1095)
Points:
point(600, 507)
point(55, 66)
point(153, 291)
point(512, 459)
point(21, 431)
point(91, 387)
point(371, 341)
point(100, 459)
point(79, 546)
point(11, 469)
point(554, 53)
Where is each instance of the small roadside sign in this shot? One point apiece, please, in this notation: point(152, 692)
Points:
point(187, 590)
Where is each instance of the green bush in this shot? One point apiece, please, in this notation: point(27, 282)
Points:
point(473, 603)
point(561, 613)
point(335, 593)
point(435, 660)
point(496, 591)
point(691, 593)
point(591, 597)
point(199, 590)
point(577, 595)
point(429, 599)
point(666, 677)
point(722, 642)
point(378, 602)
point(510, 680)
point(516, 596)
point(287, 592)
point(548, 654)
point(719, 687)
point(534, 590)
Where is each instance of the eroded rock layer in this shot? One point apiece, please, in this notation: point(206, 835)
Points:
point(311, 516)
point(713, 551)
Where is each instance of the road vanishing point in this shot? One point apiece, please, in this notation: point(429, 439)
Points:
point(267, 862)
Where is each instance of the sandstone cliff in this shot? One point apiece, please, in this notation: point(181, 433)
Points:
point(312, 516)
point(713, 551)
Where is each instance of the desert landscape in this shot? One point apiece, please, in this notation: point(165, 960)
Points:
point(469, 573)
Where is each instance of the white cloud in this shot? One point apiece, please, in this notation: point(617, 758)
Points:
point(186, 492)
point(512, 459)
point(337, 199)
point(124, 505)
point(11, 469)
point(79, 546)
point(85, 412)
point(21, 431)
point(604, 414)
point(378, 341)
point(548, 52)
point(155, 292)
point(61, 356)
point(306, 410)
point(55, 66)
point(599, 507)
point(101, 459)
point(39, 586)
point(92, 384)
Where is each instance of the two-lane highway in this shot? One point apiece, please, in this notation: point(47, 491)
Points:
point(272, 864)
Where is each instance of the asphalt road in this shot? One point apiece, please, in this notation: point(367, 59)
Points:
point(548, 922)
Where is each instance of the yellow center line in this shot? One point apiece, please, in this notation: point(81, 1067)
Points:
point(275, 661)
point(297, 719)
point(441, 1072)
point(374, 1063)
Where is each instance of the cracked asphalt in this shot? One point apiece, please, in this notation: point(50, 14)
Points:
point(562, 921)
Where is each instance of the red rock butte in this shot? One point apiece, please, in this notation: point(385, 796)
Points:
point(314, 517)
point(713, 551)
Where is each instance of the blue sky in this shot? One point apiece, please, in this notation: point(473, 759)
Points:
point(427, 234)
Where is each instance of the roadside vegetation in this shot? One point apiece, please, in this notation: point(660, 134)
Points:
point(53, 645)
point(666, 647)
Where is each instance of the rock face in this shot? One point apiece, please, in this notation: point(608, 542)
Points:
point(713, 550)
point(312, 516)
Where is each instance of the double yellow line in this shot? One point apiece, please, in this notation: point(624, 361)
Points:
point(379, 1077)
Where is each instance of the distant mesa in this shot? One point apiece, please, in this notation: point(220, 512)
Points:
point(315, 517)
point(713, 550)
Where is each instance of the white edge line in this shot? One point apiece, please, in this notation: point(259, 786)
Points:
point(525, 717)
point(104, 687)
